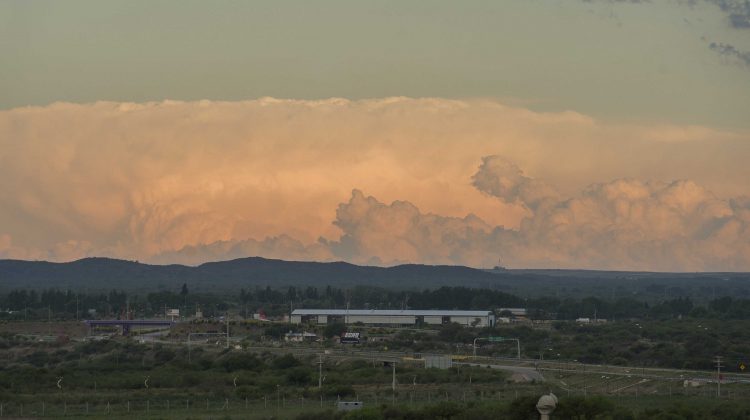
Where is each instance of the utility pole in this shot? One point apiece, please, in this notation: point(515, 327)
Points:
point(717, 360)
point(320, 371)
point(227, 321)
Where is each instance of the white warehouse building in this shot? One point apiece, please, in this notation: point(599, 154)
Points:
point(393, 317)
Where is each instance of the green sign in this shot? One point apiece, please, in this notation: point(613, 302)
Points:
point(496, 339)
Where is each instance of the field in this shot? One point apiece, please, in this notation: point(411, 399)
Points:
point(258, 377)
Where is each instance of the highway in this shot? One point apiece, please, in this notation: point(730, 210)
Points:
point(533, 368)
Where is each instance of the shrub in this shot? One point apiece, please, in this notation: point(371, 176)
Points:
point(285, 362)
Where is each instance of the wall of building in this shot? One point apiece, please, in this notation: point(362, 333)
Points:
point(470, 320)
point(382, 319)
point(378, 319)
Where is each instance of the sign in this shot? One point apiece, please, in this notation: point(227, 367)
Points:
point(742, 366)
point(173, 312)
point(496, 339)
point(350, 338)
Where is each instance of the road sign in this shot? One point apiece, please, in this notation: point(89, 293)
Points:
point(495, 339)
point(742, 366)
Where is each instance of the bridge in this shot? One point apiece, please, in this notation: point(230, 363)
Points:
point(125, 324)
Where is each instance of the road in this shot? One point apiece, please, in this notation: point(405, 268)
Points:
point(531, 368)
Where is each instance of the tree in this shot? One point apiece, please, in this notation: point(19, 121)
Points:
point(184, 294)
point(334, 329)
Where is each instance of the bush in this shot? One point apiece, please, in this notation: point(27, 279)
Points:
point(285, 362)
point(299, 376)
point(316, 415)
point(584, 408)
point(443, 410)
point(234, 362)
point(338, 390)
point(38, 358)
point(164, 355)
point(333, 329)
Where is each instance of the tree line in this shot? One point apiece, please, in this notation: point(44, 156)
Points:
point(277, 301)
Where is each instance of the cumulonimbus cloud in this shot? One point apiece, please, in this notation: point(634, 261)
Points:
point(196, 181)
point(624, 224)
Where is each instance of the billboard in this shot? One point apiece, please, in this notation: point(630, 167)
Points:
point(173, 312)
point(350, 338)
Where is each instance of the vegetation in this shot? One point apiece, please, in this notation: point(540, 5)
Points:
point(33, 304)
point(102, 274)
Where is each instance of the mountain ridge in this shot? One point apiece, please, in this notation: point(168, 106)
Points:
point(101, 273)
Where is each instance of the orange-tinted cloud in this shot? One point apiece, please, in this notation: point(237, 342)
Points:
point(195, 181)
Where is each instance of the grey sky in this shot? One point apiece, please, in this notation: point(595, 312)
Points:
point(614, 60)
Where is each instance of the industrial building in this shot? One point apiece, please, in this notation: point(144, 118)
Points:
point(393, 317)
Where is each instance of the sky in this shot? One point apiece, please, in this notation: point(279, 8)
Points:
point(595, 134)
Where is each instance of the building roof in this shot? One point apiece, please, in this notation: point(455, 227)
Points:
point(389, 312)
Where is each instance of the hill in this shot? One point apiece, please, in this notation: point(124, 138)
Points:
point(106, 274)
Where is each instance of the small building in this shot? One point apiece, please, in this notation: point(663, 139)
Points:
point(513, 311)
point(300, 337)
point(393, 317)
point(438, 362)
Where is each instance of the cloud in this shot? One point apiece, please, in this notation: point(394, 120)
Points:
point(736, 14)
point(729, 51)
point(376, 233)
point(500, 177)
point(195, 181)
point(625, 224)
point(279, 247)
point(676, 226)
point(622, 224)
point(737, 11)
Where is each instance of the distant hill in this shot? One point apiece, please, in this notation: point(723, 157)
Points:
point(106, 274)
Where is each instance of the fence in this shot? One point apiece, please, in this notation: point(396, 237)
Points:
point(290, 406)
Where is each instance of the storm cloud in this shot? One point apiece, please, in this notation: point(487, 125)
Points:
point(468, 182)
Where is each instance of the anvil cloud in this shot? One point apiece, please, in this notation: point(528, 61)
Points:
point(469, 182)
